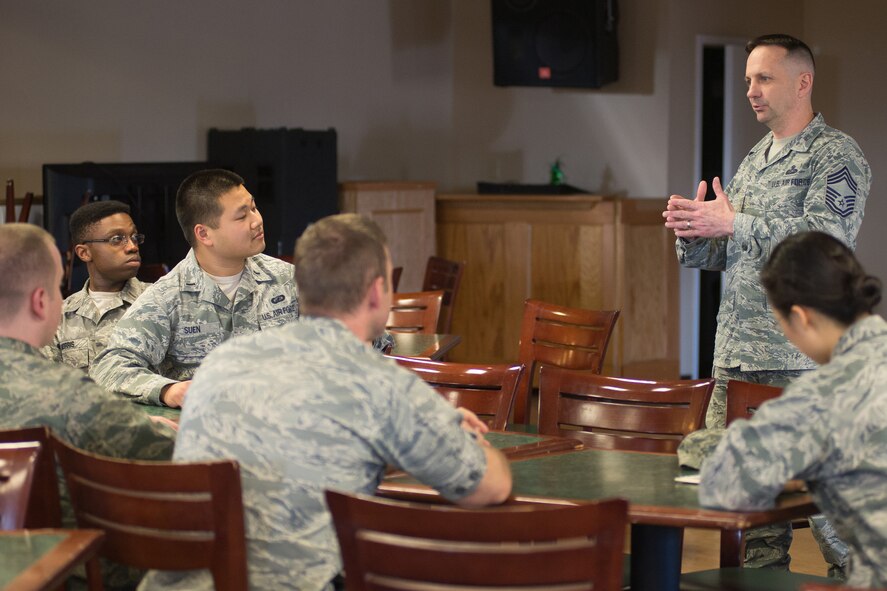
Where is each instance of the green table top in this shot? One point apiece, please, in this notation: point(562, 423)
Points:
point(499, 440)
point(19, 552)
point(163, 411)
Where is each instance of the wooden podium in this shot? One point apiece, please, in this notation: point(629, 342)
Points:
point(585, 251)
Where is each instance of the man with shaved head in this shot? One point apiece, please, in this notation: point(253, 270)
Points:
point(803, 175)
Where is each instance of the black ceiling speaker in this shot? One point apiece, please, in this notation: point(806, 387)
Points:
point(569, 43)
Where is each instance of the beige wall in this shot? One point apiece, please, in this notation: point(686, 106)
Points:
point(408, 86)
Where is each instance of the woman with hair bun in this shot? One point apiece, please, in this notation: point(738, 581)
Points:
point(829, 427)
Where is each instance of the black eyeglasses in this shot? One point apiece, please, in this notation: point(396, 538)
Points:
point(119, 239)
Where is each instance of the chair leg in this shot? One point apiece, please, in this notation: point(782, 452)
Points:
point(732, 548)
point(94, 575)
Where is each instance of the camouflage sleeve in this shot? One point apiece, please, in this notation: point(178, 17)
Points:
point(424, 437)
point(697, 446)
point(138, 344)
point(755, 459)
point(101, 423)
point(709, 254)
point(834, 204)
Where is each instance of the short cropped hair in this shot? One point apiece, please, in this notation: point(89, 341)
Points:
point(85, 217)
point(817, 270)
point(197, 200)
point(795, 47)
point(26, 262)
point(337, 259)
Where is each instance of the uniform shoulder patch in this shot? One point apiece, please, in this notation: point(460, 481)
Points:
point(840, 192)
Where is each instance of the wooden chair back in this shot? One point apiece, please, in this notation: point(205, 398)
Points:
point(744, 398)
point(25, 212)
point(486, 390)
point(151, 272)
point(559, 336)
point(18, 462)
point(616, 413)
point(396, 272)
point(446, 275)
point(415, 312)
point(44, 508)
point(161, 515)
point(411, 546)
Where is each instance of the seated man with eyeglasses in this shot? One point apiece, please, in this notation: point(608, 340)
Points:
point(106, 239)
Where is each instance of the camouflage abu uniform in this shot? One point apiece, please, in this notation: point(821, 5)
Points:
point(828, 428)
point(35, 391)
point(177, 321)
point(819, 181)
point(304, 408)
point(84, 330)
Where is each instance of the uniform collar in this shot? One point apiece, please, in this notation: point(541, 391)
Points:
point(194, 279)
point(801, 143)
point(862, 330)
point(12, 344)
point(83, 305)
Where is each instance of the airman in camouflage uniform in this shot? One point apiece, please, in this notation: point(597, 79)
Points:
point(803, 175)
point(828, 428)
point(224, 287)
point(773, 200)
point(35, 391)
point(177, 321)
point(311, 406)
point(85, 330)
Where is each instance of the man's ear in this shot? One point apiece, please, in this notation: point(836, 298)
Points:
point(38, 301)
point(805, 84)
point(201, 233)
point(83, 253)
point(375, 293)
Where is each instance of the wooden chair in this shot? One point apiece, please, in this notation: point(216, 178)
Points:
point(396, 272)
point(18, 462)
point(486, 390)
point(412, 546)
point(161, 515)
point(415, 312)
point(744, 398)
point(444, 274)
point(571, 338)
point(44, 508)
point(616, 413)
point(152, 272)
point(25, 212)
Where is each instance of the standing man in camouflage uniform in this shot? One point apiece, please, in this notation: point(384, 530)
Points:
point(310, 406)
point(224, 287)
point(829, 426)
point(803, 175)
point(106, 239)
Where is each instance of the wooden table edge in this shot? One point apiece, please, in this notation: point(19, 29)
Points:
point(53, 568)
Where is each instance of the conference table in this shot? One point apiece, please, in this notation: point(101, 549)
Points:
point(43, 558)
point(659, 508)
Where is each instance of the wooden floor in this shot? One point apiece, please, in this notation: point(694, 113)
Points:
point(702, 552)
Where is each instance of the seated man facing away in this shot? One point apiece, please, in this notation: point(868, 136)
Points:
point(310, 406)
point(106, 239)
point(829, 426)
point(224, 287)
point(35, 391)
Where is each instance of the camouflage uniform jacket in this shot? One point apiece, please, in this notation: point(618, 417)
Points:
point(177, 321)
point(829, 428)
point(818, 182)
point(304, 408)
point(36, 391)
point(84, 331)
